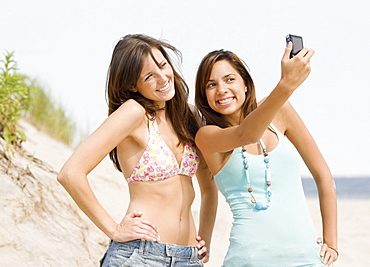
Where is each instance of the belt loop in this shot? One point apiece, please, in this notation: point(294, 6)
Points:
point(194, 254)
point(147, 247)
point(141, 246)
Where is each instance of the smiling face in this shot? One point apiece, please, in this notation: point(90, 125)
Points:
point(225, 91)
point(156, 80)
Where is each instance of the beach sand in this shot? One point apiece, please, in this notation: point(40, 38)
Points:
point(40, 225)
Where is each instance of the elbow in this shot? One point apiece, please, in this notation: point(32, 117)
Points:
point(63, 177)
point(331, 187)
point(210, 194)
point(70, 176)
point(334, 188)
point(327, 189)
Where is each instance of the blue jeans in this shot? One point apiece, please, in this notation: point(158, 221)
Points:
point(138, 252)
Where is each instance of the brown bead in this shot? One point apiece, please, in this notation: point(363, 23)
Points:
point(268, 183)
point(250, 189)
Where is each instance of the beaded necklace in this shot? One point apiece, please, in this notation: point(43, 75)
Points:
point(257, 204)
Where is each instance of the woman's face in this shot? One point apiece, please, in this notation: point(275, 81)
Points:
point(225, 91)
point(156, 82)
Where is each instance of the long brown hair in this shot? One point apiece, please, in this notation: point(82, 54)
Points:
point(124, 71)
point(203, 74)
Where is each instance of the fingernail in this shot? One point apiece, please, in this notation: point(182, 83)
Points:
point(159, 238)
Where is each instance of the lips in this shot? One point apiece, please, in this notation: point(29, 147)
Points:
point(165, 87)
point(226, 100)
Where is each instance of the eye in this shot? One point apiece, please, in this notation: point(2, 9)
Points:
point(210, 85)
point(148, 77)
point(163, 64)
point(230, 79)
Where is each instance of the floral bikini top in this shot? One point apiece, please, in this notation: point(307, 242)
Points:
point(159, 163)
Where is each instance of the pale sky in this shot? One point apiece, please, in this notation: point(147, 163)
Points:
point(67, 45)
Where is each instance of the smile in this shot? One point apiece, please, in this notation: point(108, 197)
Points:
point(225, 101)
point(164, 88)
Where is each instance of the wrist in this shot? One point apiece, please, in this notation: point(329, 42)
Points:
point(285, 86)
point(111, 230)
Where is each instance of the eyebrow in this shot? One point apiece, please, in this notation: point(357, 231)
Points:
point(227, 75)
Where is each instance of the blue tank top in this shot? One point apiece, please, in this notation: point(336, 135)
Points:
point(283, 235)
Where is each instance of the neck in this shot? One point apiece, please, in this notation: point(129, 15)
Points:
point(160, 115)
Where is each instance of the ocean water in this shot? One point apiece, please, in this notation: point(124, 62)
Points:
point(353, 188)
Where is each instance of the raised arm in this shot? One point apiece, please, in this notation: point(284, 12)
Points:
point(294, 72)
point(73, 175)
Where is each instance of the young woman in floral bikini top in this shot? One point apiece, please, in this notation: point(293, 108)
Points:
point(158, 228)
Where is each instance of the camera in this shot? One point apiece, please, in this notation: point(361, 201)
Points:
point(297, 43)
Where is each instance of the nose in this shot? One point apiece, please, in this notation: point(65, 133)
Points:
point(162, 77)
point(222, 88)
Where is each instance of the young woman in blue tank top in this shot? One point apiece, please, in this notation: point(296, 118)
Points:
point(252, 153)
point(149, 135)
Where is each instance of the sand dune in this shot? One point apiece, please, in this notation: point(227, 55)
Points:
point(40, 225)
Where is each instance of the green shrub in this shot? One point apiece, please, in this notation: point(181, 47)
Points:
point(20, 96)
point(48, 116)
point(14, 97)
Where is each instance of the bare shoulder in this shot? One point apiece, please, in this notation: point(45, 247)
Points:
point(204, 134)
point(130, 110)
point(129, 116)
point(207, 129)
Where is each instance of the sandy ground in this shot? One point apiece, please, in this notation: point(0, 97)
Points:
point(41, 226)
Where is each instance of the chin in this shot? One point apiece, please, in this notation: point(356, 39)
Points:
point(171, 94)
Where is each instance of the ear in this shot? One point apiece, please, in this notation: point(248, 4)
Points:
point(246, 89)
point(133, 89)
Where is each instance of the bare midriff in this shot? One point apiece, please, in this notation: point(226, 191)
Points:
point(167, 204)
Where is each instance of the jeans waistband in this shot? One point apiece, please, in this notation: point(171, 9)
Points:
point(162, 249)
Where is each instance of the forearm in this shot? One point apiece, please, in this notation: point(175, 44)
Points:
point(207, 216)
point(328, 207)
point(254, 125)
point(80, 191)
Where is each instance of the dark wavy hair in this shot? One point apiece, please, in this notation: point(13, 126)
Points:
point(210, 116)
point(124, 71)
